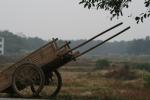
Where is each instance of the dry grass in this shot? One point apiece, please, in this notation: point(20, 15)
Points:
point(86, 83)
point(92, 84)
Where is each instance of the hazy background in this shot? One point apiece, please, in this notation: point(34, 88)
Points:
point(66, 19)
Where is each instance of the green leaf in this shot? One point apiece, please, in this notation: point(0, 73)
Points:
point(145, 15)
point(89, 6)
point(83, 1)
point(137, 18)
point(127, 6)
point(146, 4)
point(142, 19)
point(121, 13)
point(86, 4)
point(111, 11)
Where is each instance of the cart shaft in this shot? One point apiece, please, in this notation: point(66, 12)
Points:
point(102, 42)
point(95, 37)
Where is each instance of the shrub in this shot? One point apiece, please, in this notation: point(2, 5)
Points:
point(147, 80)
point(102, 64)
point(122, 73)
point(142, 66)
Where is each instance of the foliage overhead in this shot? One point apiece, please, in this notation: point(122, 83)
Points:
point(115, 7)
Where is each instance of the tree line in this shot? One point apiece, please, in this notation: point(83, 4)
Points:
point(15, 45)
point(133, 47)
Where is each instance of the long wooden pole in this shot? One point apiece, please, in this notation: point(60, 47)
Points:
point(94, 37)
point(102, 42)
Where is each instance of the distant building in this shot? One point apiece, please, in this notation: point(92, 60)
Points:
point(1, 46)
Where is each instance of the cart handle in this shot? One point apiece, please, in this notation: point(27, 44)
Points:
point(102, 42)
point(94, 37)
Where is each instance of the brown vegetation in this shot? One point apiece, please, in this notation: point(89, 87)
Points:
point(93, 85)
point(118, 82)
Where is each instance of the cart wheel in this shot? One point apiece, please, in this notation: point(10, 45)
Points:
point(28, 80)
point(53, 83)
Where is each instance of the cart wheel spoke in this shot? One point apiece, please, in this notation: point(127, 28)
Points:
point(28, 80)
point(53, 84)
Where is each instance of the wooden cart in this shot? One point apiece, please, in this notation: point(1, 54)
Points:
point(29, 76)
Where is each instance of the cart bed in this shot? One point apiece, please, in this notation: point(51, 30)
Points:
point(43, 56)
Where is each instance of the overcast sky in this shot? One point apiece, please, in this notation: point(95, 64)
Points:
point(66, 19)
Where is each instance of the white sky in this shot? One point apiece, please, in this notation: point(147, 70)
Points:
point(66, 19)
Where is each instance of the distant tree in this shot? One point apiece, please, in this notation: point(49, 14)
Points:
point(139, 46)
point(102, 63)
point(115, 7)
point(147, 38)
point(147, 80)
point(15, 44)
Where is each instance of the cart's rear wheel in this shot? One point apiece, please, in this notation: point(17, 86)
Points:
point(28, 80)
point(53, 83)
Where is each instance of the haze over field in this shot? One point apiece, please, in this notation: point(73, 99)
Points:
point(66, 19)
point(16, 45)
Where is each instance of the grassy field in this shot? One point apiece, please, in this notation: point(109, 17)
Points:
point(87, 83)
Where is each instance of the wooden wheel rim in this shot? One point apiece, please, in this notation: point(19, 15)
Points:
point(28, 79)
point(53, 88)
